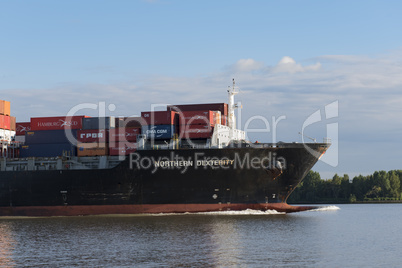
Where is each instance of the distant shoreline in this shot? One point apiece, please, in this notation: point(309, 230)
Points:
point(381, 187)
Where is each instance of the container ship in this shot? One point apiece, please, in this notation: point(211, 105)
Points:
point(188, 158)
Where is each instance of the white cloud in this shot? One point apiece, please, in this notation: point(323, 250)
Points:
point(289, 65)
point(246, 65)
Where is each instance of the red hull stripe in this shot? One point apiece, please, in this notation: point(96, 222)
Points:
point(142, 209)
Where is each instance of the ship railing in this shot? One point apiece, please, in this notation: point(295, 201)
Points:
point(327, 141)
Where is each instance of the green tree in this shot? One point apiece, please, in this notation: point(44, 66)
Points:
point(346, 187)
point(375, 192)
point(399, 174)
point(310, 186)
point(380, 179)
point(395, 185)
point(360, 187)
point(336, 185)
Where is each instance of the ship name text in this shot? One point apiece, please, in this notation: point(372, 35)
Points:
point(199, 160)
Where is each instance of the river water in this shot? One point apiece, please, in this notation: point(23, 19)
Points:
point(357, 235)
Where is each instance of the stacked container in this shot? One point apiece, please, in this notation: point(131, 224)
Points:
point(122, 141)
point(92, 142)
point(7, 122)
point(221, 107)
point(160, 125)
point(21, 128)
point(8, 148)
point(5, 107)
point(48, 143)
point(130, 122)
point(198, 124)
point(94, 136)
point(56, 122)
point(98, 123)
point(50, 136)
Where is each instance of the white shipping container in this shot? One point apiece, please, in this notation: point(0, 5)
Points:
point(9, 135)
point(20, 138)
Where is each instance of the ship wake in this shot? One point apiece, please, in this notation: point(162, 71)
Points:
point(326, 208)
point(242, 212)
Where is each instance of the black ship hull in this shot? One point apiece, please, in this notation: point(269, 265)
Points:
point(165, 181)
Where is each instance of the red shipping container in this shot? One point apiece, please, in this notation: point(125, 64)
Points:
point(5, 122)
point(1, 121)
point(124, 134)
point(160, 117)
point(122, 148)
point(21, 127)
point(57, 122)
point(92, 135)
point(195, 131)
point(222, 107)
point(130, 122)
point(198, 117)
point(13, 124)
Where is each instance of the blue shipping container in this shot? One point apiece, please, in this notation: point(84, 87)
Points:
point(98, 122)
point(159, 131)
point(47, 150)
point(48, 136)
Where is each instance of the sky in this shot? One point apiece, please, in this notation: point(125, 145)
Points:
point(292, 61)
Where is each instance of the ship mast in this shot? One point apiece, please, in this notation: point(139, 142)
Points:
point(231, 107)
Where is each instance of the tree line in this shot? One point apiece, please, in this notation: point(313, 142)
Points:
point(380, 186)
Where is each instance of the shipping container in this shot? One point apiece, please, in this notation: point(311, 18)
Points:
point(13, 125)
point(7, 135)
point(98, 122)
point(160, 117)
point(20, 139)
point(222, 107)
point(199, 118)
point(21, 127)
point(159, 131)
point(47, 150)
point(56, 122)
point(130, 122)
point(122, 148)
point(49, 136)
point(124, 134)
point(4, 107)
point(196, 131)
point(92, 135)
point(92, 149)
point(5, 122)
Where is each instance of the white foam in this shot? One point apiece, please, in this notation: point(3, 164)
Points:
point(226, 212)
point(327, 208)
point(242, 212)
